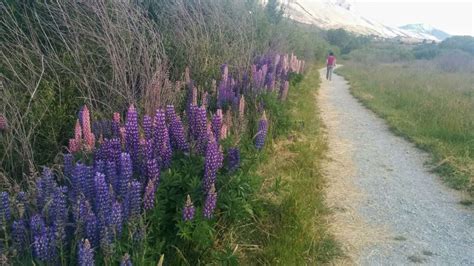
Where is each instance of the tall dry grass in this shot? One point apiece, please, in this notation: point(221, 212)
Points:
point(58, 55)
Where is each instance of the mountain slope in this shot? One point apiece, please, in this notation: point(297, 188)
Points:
point(426, 29)
point(338, 14)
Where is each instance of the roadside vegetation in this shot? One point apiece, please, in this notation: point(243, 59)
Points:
point(180, 132)
point(294, 217)
point(426, 93)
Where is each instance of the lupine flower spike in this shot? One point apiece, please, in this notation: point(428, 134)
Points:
point(126, 260)
point(213, 162)
point(233, 159)
point(85, 255)
point(210, 203)
point(262, 132)
point(189, 210)
point(89, 138)
point(149, 196)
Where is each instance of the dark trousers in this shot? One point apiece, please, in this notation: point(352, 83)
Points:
point(329, 72)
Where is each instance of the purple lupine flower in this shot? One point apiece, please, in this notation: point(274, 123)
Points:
point(149, 195)
point(59, 214)
point(176, 130)
point(79, 180)
point(115, 128)
point(37, 225)
point(5, 212)
point(111, 174)
point(21, 199)
point(116, 218)
point(166, 155)
point(191, 114)
point(106, 238)
point(135, 198)
point(97, 128)
point(213, 162)
point(44, 246)
point(92, 232)
point(19, 235)
point(170, 113)
point(148, 150)
point(99, 166)
point(201, 126)
point(131, 134)
point(45, 187)
point(153, 170)
point(103, 203)
point(115, 150)
point(126, 172)
point(210, 203)
point(233, 159)
point(102, 128)
point(216, 125)
point(85, 254)
point(58, 210)
point(101, 152)
point(89, 190)
point(148, 127)
point(126, 260)
point(188, 210)
point(162, 140)
point(68, 164)
point(178, 135)
point(262, 132)
point(81, 211)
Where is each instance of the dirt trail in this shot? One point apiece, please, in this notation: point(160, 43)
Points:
point(388, 208)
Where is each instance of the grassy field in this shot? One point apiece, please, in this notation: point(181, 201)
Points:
point(432, 108)
point(293, 227)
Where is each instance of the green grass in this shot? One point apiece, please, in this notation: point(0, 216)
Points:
point(434, 109)
point(292, 226)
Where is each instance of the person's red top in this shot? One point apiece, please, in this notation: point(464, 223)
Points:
point(331, 60)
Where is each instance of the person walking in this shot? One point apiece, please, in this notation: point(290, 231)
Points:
point(330, 64)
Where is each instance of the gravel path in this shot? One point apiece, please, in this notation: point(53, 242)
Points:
point(421, 219)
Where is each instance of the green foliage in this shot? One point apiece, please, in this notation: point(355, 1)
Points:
point(382, 52)
point(426, 51)
point(464, 43)
point(274, 11)
point(346, 41)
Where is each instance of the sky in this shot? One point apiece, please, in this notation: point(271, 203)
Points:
point(455, 17)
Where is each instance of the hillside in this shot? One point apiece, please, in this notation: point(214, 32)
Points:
point(426, 29)
point(338, 14)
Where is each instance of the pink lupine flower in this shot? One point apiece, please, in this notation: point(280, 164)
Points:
point(116, 117)
point(73, 146)
point(224, 131)
point(86, 120)
point(78, 132)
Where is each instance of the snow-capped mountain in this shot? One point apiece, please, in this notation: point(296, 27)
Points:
point(333, 14)
point(426, 29)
